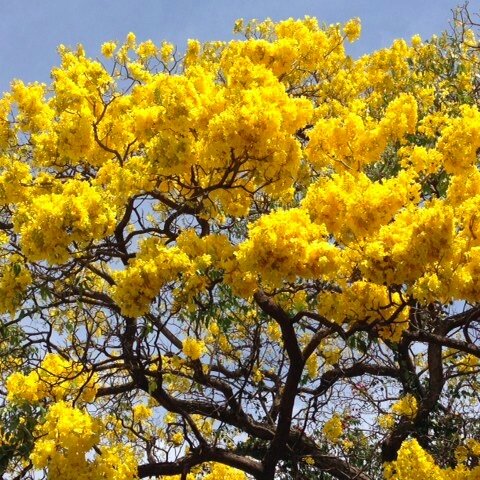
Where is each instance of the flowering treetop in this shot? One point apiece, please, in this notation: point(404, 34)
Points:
point(259, 258)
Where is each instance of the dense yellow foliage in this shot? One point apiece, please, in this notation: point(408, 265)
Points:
point(65, 438)
point(413, 462)
point(147, 186)
point(56, 379)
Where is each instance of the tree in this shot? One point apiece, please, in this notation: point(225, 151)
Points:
point(260, 259)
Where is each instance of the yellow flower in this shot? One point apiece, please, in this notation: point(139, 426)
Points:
point(386, 421)
point(146, 49)
point(108, 49)
point(309, 460)
point(166, 51)
point(257, 375)
point(312, 365)
point(347, 444)
point(131, 39)
point(56, 378)
point(406, 406)
point(177, 438)
point(353, 29)
point(193, 348)
point(416, 41)
point(333, 429)
point(214, 328)
point(141, 412)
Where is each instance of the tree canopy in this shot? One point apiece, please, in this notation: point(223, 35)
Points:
point(256, 259)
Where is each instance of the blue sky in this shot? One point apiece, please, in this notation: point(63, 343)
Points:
point(30, 30)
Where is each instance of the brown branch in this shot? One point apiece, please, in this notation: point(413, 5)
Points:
point(290, 389)
point(357, 370)
point(248, 465)
point(444, 341)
